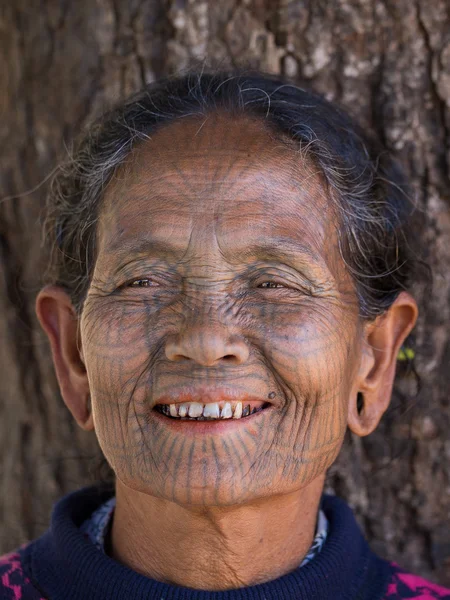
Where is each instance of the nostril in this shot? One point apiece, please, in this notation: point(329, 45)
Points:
point(179, 358)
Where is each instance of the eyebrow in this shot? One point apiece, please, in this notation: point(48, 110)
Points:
point(150, 246)
point(279, 247)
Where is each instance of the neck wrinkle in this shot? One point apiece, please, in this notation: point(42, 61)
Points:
point(216, 549)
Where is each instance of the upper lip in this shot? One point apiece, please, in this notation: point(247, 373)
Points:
point(208, 395)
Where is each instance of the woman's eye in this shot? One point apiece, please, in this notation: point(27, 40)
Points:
point(270, 285)
point(142, 283)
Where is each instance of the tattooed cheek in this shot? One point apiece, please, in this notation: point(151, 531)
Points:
point(114, 321)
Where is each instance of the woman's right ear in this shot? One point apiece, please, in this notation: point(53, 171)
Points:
point(59, 320)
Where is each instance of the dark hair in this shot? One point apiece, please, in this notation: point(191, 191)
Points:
point(370, 191)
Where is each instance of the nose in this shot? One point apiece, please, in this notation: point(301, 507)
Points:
point(208, 345)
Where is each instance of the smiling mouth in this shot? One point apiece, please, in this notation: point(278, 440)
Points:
point(213, 411)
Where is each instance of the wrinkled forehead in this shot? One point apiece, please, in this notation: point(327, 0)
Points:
point(235, 175)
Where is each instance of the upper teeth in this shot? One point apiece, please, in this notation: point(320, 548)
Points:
point(213, 410)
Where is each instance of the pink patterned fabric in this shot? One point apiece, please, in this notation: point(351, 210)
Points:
point(15, 585)
point(405, 585)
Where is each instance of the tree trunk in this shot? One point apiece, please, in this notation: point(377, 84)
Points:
point(388, 61)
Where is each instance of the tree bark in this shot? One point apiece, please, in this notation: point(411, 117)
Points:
point(388, 61)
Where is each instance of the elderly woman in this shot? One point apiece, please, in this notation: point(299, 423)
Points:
point(230, 294)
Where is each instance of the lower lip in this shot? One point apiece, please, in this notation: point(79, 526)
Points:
point(219, 426)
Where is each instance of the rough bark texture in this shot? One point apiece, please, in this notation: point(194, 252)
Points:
point(387, 60)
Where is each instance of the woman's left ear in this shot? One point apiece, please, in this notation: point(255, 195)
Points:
point(59, 320)
point(383, 339)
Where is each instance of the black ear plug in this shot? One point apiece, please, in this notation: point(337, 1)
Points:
point(359, 402)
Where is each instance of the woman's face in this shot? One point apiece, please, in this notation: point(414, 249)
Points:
point(219, 276)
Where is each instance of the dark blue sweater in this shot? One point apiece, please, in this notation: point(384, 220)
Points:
point(64, 565)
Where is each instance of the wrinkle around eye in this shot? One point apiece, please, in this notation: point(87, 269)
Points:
point(307, 281)
point(140, 267)
point(294, 284)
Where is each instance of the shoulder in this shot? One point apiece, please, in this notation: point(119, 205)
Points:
point(14, 582)
point(404, 585)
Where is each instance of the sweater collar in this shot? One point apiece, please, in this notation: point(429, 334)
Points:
point(66, 566)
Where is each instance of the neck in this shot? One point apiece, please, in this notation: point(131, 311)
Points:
point(214, 548)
